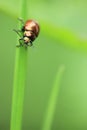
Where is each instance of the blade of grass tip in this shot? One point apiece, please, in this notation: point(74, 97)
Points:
point(53, 100)
point(19, 82)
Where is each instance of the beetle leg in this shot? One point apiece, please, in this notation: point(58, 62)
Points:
point(30, 43)
point(17, 31)
point(21, 40)
point(20, 43)
point(25, 45)
point(21, 20)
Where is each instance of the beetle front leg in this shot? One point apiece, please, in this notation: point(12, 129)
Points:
point(20, 43)
point(30, 43)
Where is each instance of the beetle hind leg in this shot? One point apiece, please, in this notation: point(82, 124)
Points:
point(21, 20)
point(18, 32)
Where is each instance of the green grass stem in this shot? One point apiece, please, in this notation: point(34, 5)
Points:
point(19, 80)
point(53, 100)
point(18, 88)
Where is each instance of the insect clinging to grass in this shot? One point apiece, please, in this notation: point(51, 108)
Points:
point(28, 33)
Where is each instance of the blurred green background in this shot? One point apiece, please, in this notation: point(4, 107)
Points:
point(50, 51)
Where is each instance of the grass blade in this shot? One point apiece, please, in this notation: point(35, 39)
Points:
point(19, 79)
point(18, 88)
point(53, 99)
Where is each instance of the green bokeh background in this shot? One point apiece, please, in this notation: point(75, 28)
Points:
point(45, 58)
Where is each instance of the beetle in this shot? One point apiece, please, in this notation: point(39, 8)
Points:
point(28, 33)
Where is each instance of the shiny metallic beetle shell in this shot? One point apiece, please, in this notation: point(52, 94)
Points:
point(31, 29)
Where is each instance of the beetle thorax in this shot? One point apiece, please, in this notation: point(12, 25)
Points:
point(28, 33)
